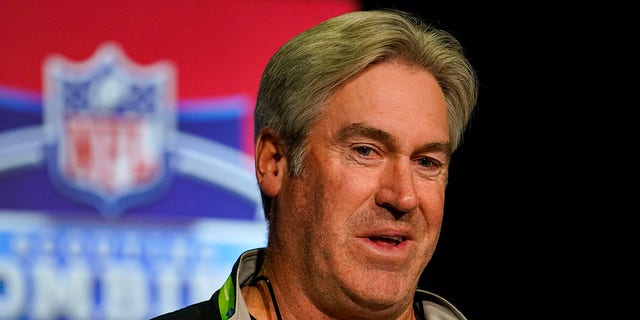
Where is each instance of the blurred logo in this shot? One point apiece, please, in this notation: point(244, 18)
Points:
point(109, 127)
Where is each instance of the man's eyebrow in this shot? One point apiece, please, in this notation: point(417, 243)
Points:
point(361, 129)
point(443, 147)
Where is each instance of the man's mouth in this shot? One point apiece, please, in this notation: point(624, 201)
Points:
point(393, 240)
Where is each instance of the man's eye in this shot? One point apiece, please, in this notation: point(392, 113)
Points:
point(425, 162)
point(363, 151)
point(428, 163)
point(428, 166)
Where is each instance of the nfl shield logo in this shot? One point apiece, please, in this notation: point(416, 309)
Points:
point(109, 127)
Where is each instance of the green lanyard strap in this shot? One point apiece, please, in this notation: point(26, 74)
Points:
point(227, 299)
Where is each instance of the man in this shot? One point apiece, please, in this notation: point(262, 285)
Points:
point(355, 123)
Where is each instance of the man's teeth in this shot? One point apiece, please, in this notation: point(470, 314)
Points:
point(397, 239)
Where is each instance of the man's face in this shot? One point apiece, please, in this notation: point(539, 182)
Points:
point(364, 218)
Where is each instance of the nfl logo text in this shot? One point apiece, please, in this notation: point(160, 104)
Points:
point(109, 129)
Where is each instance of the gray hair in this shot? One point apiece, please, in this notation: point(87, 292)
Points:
point(308, 69)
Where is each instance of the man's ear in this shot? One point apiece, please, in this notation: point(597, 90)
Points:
point(271, 164)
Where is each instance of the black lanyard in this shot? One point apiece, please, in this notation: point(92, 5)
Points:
point(271, 293)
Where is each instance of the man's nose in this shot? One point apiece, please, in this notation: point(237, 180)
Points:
point(397, 188)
